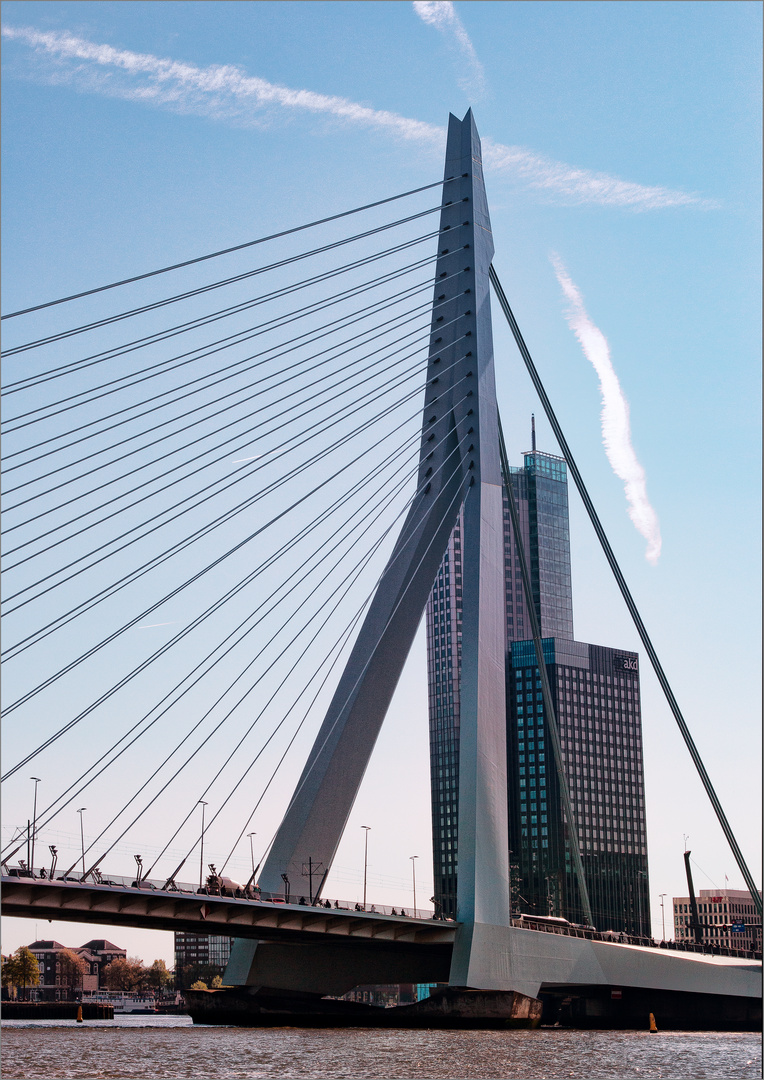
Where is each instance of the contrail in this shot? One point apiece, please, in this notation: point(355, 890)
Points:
point(442, 15)
point(616, 429)
point(226, 94)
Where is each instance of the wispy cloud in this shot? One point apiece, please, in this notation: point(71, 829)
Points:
point(220, 92)
point(616, 427)
point(443, 16)
point(579, 186)
point(227, 94)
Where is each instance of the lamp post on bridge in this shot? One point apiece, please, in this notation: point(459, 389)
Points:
point(34, 821)
point(252, 853)
point(365, 860)
point(81, 811)
point(663, 916)
point(413, 875)
point(201, 803)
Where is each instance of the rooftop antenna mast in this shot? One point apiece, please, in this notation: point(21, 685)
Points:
point(533, 433)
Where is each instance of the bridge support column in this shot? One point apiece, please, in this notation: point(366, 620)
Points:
point(480, 957)
point(459, 465)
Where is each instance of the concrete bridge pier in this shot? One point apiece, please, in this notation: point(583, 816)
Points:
point(448, 1007)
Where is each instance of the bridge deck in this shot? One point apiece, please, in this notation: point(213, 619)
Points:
point(536, 959)
point(155, 909)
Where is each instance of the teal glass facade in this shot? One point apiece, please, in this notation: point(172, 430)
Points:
point(541, 496)
point(595, 693)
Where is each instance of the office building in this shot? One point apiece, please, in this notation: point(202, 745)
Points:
point(200, 956)
point(595, 693)
point(727, 918)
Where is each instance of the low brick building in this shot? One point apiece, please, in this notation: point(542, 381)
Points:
point(54, 983)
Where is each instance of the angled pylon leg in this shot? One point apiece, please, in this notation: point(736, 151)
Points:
point(459, 463)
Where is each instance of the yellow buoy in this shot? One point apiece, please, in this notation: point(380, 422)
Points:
point(79, 1014)
point(653, 1025)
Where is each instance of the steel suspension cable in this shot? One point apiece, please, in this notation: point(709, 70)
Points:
point(272, 418)
point(176, 694)
point(248, 769)
point(361, 674)
point(202, 531)
point(141, 487)
point(330, 353)
point(340, 646)
point(227, 251)
point(290, 446)
point(357, 570)
point(297, 342)
point(411, 372)
point(266, 298)
point(246, 581)
point(213, 317)
point(276, 323)
point(336, 646)
point(626, 594)
point(378, 331)
point(235, 437)
point(359, 567)
point(26, 697)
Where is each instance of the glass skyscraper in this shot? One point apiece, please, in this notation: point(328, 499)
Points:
point(541, 496)
point(199, 956)
point(595, 693)
point(596, 700)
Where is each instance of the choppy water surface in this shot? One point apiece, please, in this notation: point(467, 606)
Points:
point(171, 1047)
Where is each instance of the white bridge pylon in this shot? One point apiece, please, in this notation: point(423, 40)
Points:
point(459, 464)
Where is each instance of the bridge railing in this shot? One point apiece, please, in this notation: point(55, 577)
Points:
point(99, 880)
point(634, 939)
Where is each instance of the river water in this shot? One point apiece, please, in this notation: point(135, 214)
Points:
point(145, 1048)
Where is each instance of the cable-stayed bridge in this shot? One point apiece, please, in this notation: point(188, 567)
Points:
point(225, 510)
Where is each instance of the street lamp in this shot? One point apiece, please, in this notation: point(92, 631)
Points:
point(365, 860)
point(139, 864)
point(81, 811)
point(663, 915)
point(252, 852)
point(34, 820)
point(413, 875)
point(201, 803)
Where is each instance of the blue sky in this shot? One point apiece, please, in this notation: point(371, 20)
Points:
point(624, 139)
